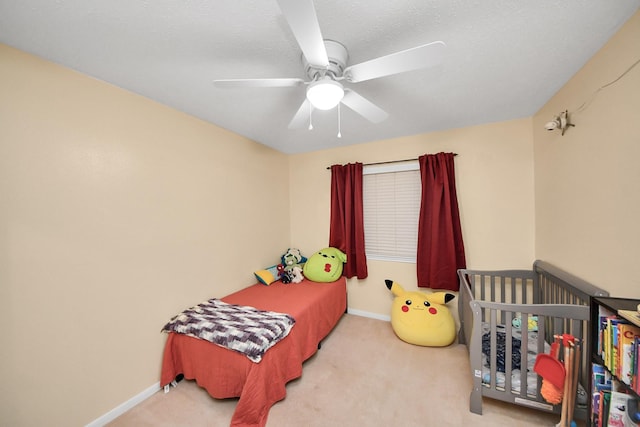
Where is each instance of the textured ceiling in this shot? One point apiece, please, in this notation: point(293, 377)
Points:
point(504, 58)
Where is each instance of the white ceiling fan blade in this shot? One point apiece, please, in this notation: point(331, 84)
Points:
point(415, 58)
point(240, 83)
point(363, 106)
point(302, 118)
point(302, 18)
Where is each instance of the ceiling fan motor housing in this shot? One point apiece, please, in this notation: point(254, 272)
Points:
point(325, 63)
point(338, 56)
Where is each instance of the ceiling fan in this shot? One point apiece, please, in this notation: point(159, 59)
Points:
point(325, 63)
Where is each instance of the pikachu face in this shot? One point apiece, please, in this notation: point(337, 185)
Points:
point(422, 319)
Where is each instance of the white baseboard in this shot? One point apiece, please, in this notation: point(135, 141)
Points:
point(368, 314)
point(124, 407)
point(145, 394)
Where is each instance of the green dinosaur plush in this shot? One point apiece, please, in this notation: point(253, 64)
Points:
point(325, 265)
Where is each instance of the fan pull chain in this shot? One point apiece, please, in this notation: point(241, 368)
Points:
point(310, 121)
point(339, 133)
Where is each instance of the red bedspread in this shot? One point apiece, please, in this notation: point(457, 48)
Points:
point(316, 307)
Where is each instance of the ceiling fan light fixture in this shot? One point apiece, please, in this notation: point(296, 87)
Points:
point(325, 94)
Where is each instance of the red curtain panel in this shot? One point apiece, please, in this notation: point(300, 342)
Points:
point(440, 245)
point(347, 220)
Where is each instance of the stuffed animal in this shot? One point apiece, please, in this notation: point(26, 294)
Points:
point(422, 319)
point(293, 275)
point(325, 265)
point(532, 323)
point(283, 275)
point(292, 261)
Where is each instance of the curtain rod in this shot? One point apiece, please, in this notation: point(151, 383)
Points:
point(390, 161)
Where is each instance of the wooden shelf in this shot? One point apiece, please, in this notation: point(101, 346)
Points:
point(610, 308)
point(631, 316)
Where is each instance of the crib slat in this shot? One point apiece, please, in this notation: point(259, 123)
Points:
point(493, 349)
point(493, 287)
point(502, 298)
point(508, 361)
point(540, 348)
point(524, 354)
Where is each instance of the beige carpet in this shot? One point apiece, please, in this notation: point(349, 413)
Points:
point(363, 376)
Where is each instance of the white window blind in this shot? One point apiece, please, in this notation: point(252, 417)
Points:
point(391, 198)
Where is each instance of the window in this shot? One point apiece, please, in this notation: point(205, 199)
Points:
point(391, 199)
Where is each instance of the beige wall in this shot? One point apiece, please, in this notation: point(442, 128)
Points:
point(494, 179)
point(116, 213)
point(587, 182)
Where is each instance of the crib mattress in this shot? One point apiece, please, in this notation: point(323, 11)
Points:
point(532, 377)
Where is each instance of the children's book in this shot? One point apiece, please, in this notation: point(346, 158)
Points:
point(605, 399)
point(598, 376)
point(636, 364)
point(628, 334)
point(603, 314)
point(634, 352)
point(617, 409)
point(613, 324)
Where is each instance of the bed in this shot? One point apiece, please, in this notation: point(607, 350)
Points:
point(489, 301)
point(316, 308)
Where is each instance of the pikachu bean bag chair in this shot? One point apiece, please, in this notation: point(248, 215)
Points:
point(422, 319)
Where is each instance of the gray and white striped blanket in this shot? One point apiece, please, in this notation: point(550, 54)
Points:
point(244, 329)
